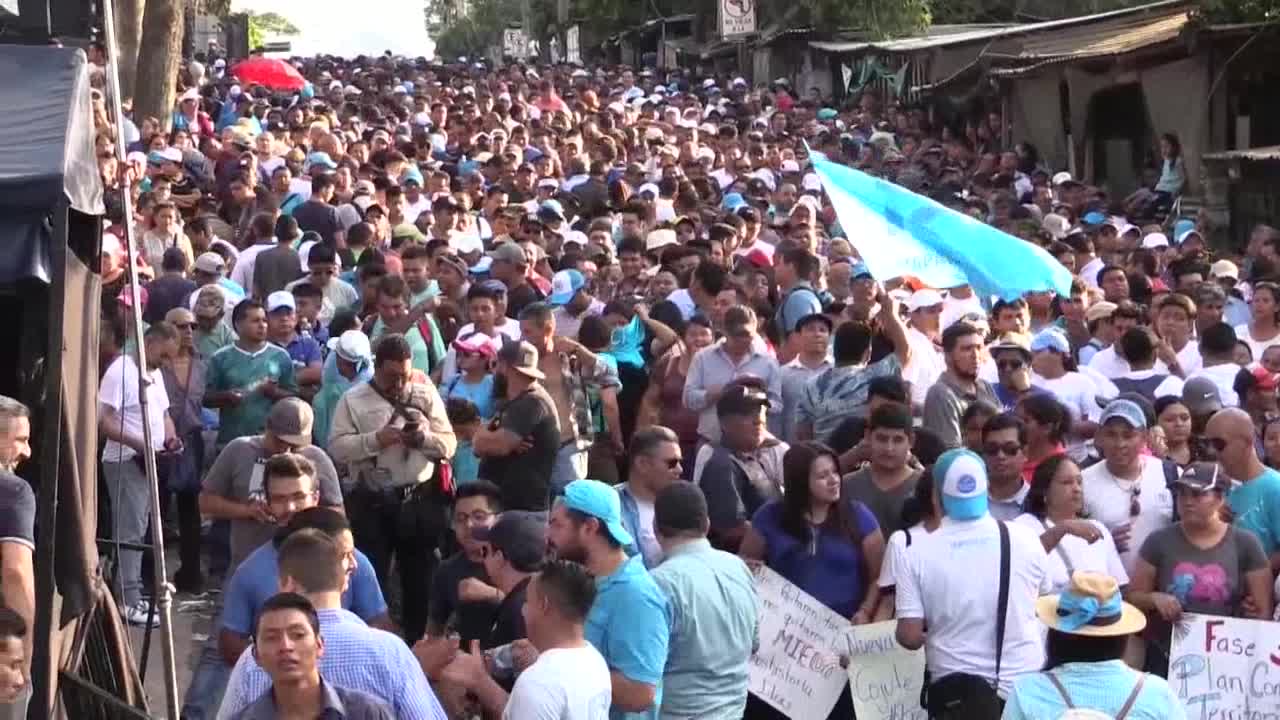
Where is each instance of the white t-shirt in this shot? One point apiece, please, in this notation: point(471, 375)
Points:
point(895, 550)
point(954, 308)
point(1256, 346)
point(242, 273)
point(1099, 557)
point(925, 367)
point(119, 391)
point(413, 210)
point(563, 684)
point(646, 538)
point(508, 328)
point(1107, 499)
point(1077, 394)
point(951, 579)
point(1189, 358)
point(1110, 365)
point(1224, 376)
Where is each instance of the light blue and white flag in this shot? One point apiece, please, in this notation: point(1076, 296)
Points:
point(898, 232)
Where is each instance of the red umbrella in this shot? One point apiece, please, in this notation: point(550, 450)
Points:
point(271, 72)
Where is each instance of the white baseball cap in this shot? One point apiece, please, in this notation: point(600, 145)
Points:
point(280, 299)
point(1155, 240)
point(923, 298)
point(352, 346)
point(1062, 177)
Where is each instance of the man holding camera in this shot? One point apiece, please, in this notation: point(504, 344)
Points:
point(391, 433)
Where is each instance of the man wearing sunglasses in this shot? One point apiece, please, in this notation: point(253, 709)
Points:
point(1012, 359)
point(655, 465)
point(1004, 443)
point(1232, 435)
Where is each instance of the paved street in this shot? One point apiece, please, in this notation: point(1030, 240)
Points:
point(192, 623)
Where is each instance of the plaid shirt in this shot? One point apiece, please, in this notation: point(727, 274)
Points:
point(355, 656)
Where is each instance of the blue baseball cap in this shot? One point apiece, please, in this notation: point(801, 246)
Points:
point(564, 285)
point(1094, 218)
point(1051, 339)
point(1126, 410)
point(961, 479)
point(733, 201)
point(322, 159)
point(859, 270)
point(594, 498)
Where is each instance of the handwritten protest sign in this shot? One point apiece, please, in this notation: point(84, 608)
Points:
point(1223, 667)
point(884, 677)
point(797, 668)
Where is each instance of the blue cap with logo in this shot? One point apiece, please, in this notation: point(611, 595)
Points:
point(600, 501)
point(961, 478)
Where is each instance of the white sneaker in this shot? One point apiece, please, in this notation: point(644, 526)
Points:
point(136, 614)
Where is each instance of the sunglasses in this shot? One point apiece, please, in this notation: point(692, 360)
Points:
point(671, 463)
point(1007, 449)
point(1218, 444)
point(1010, 365)
point(1135, 506)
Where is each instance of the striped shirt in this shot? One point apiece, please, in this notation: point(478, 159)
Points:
point(356, 656)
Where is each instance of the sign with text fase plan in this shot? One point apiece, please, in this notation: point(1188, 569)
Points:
point(1226, 668)
point(797, 667)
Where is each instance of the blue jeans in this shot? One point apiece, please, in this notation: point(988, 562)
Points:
point(208, 680)
point(571, 464)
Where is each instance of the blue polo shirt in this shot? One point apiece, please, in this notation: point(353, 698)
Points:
point(303, 350)
point(257, 579)
point(629, 625)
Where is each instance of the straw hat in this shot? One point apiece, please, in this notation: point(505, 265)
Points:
point(1090, 606)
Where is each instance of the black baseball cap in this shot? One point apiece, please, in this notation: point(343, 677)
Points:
point(521, 536)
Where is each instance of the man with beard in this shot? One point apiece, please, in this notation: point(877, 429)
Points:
point(959, 386)
point(630, 618)
point(17, 532)
point(518, 448)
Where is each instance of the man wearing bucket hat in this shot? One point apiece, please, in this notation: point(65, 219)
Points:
point(630, 617)
point(971, 569)
point(1085, 676)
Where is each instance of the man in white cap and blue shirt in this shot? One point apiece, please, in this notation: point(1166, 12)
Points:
point(955, 580)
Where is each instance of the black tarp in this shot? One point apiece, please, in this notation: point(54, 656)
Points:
point(46, 152)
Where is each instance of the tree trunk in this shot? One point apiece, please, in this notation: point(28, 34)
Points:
point(158, 60)
point(128, 36)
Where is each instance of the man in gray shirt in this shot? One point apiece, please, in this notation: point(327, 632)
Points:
point(713, 368)
point(233, 488)
point(959, 386)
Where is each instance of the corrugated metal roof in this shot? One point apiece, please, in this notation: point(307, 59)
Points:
point(935, 39)
point(1271, 152)
point(1115, 37)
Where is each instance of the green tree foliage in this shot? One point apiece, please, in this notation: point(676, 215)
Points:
point(262, 25)
point(1232, 11)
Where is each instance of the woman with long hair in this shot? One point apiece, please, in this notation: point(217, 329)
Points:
point(1263, 329)
point(1201, 563)
point(1089, 626)
point(1047, 423)
point(1053, 507)
point(827, 545)
point(1174, 423)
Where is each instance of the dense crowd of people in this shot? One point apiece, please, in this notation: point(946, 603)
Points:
point(484, 391)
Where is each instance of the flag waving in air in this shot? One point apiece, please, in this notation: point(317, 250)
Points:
point(898, 232)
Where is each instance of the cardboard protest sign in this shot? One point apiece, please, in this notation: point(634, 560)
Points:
point(1226, 667)
point(884, 677)
point(797, 667)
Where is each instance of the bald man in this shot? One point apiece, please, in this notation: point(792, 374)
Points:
point(1255, 502)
